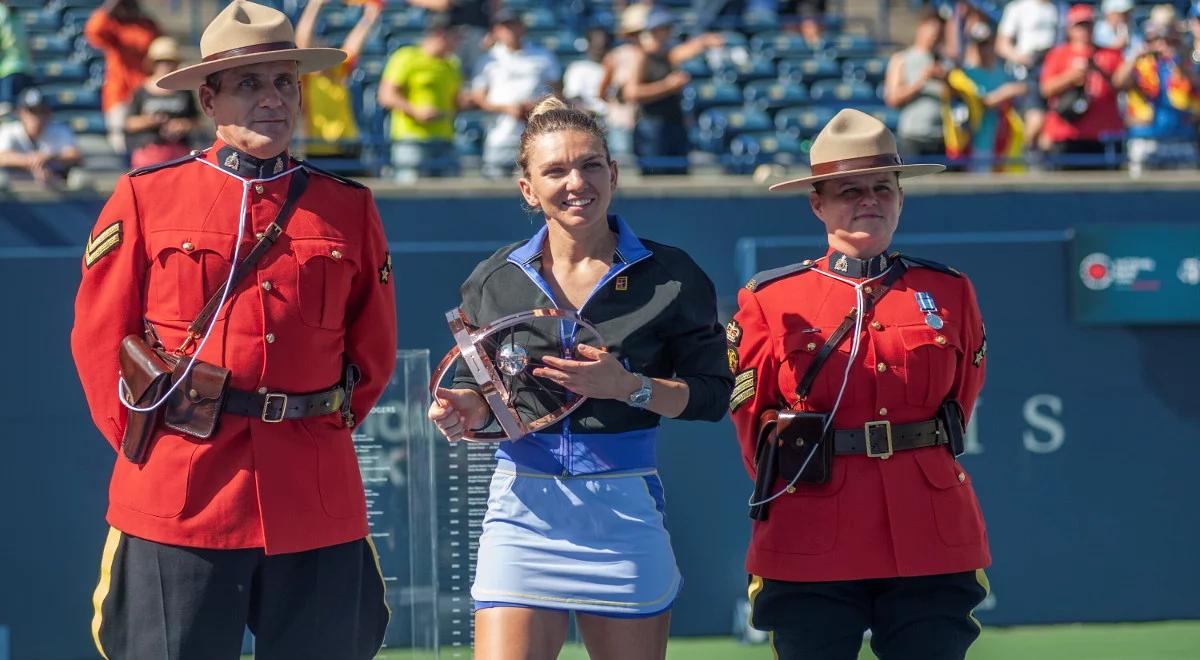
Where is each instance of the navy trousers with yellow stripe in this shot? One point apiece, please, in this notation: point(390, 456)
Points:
point(166, 602)
point(911, 618)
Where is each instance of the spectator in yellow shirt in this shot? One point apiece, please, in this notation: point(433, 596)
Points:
point(330, 129)
point(422, 86)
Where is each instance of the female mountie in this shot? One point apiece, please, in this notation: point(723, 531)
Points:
point(855, 374)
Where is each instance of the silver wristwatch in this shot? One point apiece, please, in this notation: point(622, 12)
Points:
point(640, 398)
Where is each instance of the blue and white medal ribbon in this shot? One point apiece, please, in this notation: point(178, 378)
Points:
point(926, 304)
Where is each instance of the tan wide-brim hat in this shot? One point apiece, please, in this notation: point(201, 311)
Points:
point(853, 143)
point(633, 19)
point(163, 49)
point(249, 33)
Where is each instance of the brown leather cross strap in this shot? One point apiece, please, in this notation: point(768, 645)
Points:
point(295, 188)
point(810, 375)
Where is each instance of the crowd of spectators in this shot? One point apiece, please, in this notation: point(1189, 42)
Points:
point(1044, 85)
point(432, 88)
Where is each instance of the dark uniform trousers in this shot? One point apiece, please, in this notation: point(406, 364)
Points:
point(165, 602)
point(910, 618)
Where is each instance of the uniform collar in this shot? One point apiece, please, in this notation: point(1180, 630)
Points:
point(629, 247)
point(842, 264)
point(242, 164)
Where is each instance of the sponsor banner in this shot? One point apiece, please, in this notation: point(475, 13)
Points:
point(1135, 274)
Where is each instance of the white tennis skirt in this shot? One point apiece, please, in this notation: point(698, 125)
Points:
point(590, 543)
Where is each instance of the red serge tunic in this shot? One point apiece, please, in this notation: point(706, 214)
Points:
point(912, 514)
point(322, 295)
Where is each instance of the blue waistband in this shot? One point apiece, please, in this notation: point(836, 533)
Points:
point(582, 453)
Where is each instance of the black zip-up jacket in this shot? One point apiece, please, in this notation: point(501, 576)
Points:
point(656, 312)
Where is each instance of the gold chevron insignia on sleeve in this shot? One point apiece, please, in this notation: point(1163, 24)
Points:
point(105, 241)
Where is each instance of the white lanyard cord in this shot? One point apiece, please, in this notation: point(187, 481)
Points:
point(122, 387)
point(855, 346)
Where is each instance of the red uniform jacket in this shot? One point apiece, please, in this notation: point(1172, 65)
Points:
point(321, 295)
point(912, 514)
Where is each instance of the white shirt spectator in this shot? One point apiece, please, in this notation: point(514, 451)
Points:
point(1031, 24)
point(56, 137)
point(582, 82)
point(514, 77)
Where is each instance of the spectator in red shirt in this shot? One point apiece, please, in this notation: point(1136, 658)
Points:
point(123, 32)
point(1080, 82)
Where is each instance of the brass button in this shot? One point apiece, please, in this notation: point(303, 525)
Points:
point(812, 346)
point(267, 286)
point(791, 489)
point(259, 235)
point(881, 367)
point(262, 390)
point(188, 246)
point(940, 339)
point(258, 188)
point(270, 337)
point(806, 262)
point(882, 412)
point(192, 393)
point(876, 325)
point(962, 476)
point(867, 289)
point(336, 254)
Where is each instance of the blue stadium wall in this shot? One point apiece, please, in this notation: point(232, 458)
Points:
point(1083, 449)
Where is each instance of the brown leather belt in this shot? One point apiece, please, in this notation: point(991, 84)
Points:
point(881, 439)
point(277, 406)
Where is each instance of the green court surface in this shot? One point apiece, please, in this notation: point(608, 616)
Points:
point(1174, 640)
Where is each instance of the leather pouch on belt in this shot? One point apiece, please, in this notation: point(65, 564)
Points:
point(796, 434)
point(147, 377)
point(195, 407)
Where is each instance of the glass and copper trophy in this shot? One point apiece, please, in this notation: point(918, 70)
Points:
point(499, 360)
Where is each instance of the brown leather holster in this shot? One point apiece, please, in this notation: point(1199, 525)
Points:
point(786, 439)
point(193, 408)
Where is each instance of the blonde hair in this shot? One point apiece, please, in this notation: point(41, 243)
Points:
point(551, 115)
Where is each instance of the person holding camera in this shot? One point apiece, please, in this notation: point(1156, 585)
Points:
point(854, 376)
point(1081, 83)
point(1161, 105)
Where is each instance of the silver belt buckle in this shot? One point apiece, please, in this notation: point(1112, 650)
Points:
point(887, 427)
point(282, 398)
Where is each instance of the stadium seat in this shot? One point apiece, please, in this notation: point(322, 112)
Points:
point(802, 122)
point(889, 116)
point(59, 71)
point(372, 65)
point(757, 68)
point(808, 71)
point(83, 122)
point(842, 94)
point(407, 19)
point(781, 45)
point(870, 70)
point(376, 44)
point(697, 67)
point(749, 150)
point(402, 38)
point(74, 19)
point(704, 94)
point(69, 96)
point(560, 42)
point(337, 19)
point(771, 95)
point(44, 21)
point(50, 46)
point(541, 18)
point(718, 126)
point(20, 5)
point(470, 128)
point(846, 46)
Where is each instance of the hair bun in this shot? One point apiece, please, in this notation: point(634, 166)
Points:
point(548, 103)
